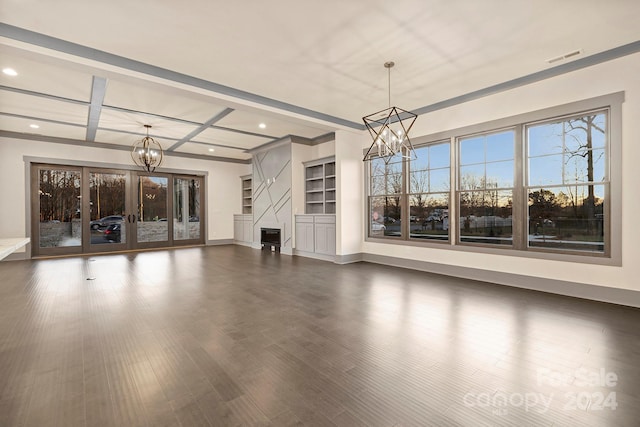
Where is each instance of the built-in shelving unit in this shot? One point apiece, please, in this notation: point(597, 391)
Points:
point(320, 187)
point(247, 190)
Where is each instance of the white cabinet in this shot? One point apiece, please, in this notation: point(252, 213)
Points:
point(243, 228)
point(316, 236)
point(304, 233)
point(325, 238)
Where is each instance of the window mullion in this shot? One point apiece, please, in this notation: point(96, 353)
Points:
point(520, 198)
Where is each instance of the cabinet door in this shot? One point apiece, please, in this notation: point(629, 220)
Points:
point(331, 239)
point(325, 239)
point(322, 245)
point(304, 236)
point(238, 230)
point(248, 230)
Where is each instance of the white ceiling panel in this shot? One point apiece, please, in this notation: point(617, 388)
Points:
point(157, 99)
point(235, 139)
point(327, 56)
point(134, 123)
point(36, 106)
point(276, 127)
point(200, 149)
point(17, 124)
point(40, 74)
point(302, 68)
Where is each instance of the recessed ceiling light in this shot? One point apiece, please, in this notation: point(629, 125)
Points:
point(10, 71)
point(34, 126)
point(262, 126)
point(212, 149)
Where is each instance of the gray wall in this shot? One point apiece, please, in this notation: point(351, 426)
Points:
point(272, 193)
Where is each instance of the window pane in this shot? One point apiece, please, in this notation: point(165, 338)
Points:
point(472, 150)
point(386, 184)
point(186, 208)
point(499, 175)
point(545, 170)
point(599, 174)
point(472, 177)
point(107, 194)
point(420, 182)
point(384, 217)
point(585, 132)
point(577, 167)
point(580, 139)
point(60, 221)
point(377, 185)
point(486, 217)
point(152, 209)
point(430, 216)
point(545, 139)
point(569, 217)
point(500, 146)
point(422, 161)
point(439, 156)
point(439, 180)
point(378, 167)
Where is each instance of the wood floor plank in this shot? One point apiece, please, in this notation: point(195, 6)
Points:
point(231, 336)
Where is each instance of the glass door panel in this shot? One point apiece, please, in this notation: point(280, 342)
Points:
point(59, 211)
point(152, 222)
point(77, 210)
point(186, 208)
point(107, 209)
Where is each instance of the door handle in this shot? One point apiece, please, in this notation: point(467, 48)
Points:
point(134, 217)
point(129, 218)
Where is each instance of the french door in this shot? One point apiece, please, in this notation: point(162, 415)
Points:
point(88, 210)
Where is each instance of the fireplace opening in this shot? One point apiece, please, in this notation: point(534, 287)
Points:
point(270, 239)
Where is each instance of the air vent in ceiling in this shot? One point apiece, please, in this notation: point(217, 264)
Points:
point(565, 56)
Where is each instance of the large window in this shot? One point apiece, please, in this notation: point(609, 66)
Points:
point(385, 197)
point(538, 183)
point(485, 184)
point(567, 183)
point(429, 178)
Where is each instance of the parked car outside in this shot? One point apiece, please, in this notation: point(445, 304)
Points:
point(112, 232)
point(376, 226)
point(105, 222)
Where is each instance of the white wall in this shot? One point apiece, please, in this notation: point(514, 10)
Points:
point(618, 75)
point(223, 184)
point(349, 192)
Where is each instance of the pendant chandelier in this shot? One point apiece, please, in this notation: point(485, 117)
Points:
point(389, 129)
point(147, 153)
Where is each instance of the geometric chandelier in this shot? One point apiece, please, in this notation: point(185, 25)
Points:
point(389, 129)
point(147, 153)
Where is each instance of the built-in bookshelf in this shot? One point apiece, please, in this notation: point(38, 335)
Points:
point(320, 187)
point(247, 190)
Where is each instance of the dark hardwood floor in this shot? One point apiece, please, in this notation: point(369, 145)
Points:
point(232, 336)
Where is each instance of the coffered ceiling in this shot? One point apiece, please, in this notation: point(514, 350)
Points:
point(205, 74)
